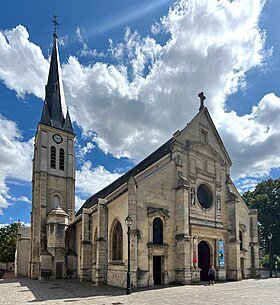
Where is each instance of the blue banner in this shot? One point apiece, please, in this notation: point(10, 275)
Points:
point(221, 253)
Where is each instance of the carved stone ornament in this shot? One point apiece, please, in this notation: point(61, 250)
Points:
point(242, 227)
point(192, 196)
point(178, 160)
point(182, 181)
point(219, 202)
point(161, 211)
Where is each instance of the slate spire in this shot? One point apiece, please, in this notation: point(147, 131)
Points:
point(55, 112)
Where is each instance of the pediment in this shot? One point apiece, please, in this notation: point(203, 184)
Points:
point(164, 213)
point(206, 150)
point(202, 136)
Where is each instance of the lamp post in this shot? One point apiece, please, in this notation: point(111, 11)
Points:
point(128, 223)
point(270, 256)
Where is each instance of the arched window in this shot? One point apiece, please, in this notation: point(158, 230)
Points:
point(157, 231)
point(117, 242)
point(241, 239)
point(61, 159)
point(53, 157)
point(56, 201)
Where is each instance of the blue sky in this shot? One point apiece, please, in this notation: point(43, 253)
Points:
point(132, 71)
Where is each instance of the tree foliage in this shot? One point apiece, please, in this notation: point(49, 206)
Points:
point(8, 237)
point(266, 199)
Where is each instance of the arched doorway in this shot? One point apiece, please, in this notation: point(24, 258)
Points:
point(203, 260)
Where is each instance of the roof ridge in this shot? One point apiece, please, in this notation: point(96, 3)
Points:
point(148, 161)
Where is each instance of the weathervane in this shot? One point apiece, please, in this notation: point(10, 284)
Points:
point(55, 25)
point(202, 99)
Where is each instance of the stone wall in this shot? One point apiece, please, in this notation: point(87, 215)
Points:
point(22, 251)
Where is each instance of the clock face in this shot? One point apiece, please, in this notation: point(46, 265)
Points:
point(57, 138)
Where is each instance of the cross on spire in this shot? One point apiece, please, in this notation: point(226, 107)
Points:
point(55, 25)
point(202, 99)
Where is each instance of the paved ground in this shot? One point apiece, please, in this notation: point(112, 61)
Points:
point(24, 291)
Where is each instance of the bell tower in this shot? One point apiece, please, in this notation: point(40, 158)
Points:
point(53, 180)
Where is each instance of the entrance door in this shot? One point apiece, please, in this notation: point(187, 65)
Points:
point(203, 260)
point(157, 270)
point(59, 268)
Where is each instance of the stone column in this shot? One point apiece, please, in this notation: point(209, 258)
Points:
point(71, 255)
point(233, 246)
point(254, 244)
point(86, 255)
point(102, 242)
point(166, 275)
point(132, 202)
point(36, 224)
point(195, 271)
point(216, 254)
point(151, 272)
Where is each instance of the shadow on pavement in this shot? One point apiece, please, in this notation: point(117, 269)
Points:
point(62, 289)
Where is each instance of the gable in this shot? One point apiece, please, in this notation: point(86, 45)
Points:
point(202, 136)
point(191, 136)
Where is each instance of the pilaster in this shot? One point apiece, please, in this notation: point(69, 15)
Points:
point(132, 203)
point(102, 240)
point(86, 255)
point(233, 262)
point(35, 238)
point(254, 244)
point(183, 239)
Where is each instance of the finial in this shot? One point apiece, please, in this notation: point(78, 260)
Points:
point(202, 99)
point(55, 25)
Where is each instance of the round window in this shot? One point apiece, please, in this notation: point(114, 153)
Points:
point(204, 196)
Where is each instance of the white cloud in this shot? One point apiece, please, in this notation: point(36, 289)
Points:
point(23, 67)
point(63, 41)
point(16, 199)
point(82, 151)
point(78, 202)
point(255, 139)
point(132, 108)
point(136, 53)
point(15, 160)
point(86, 51)
point(136, 106)
point(2, 225)
point(247, 184)
point(90, 180)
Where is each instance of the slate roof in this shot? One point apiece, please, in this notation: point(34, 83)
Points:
point(151, 159)
point(55, 113)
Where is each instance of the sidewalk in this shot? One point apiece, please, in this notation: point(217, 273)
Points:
point(14, 291)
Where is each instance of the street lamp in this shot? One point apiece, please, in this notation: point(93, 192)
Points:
point(128, 223)
point(270, 256)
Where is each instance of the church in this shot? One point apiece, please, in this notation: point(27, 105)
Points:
point(167, 220)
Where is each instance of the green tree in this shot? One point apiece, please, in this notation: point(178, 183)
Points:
point(266, 199)
point(8, 237)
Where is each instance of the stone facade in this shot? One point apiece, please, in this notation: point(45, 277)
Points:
point(53, 198)
point(204, 219)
